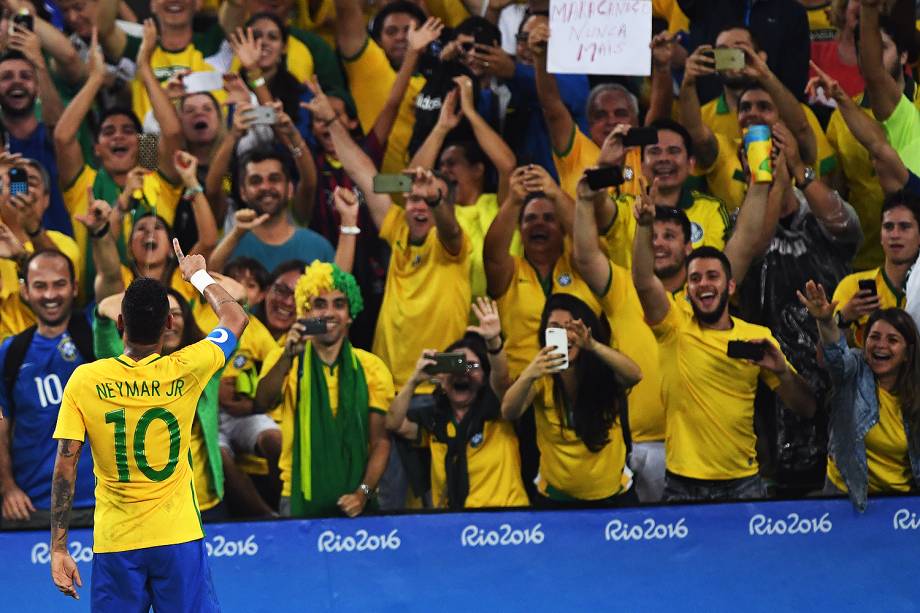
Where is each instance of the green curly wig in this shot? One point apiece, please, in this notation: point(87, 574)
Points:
point(321, 277)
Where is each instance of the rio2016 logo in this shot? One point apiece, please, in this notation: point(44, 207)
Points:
point(648, 530)
point(905, 520)
point(330, 541)
point(41, 552)
point(761, 525)
point(221, 547)
point(505, 535)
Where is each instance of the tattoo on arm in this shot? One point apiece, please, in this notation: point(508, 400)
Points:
point(62, 491)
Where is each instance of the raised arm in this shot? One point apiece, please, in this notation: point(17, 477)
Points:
point(521, 393)
point(815, 300)
point(490, 329)
point(231, 15)
point(305, 193)
point(652, 293)
point(229, 312)
point(448, 118)
point(220, 163)
point(350, 27)
point(64, 570)
point(67, 149)
point(498, 263)
point(67, 62)
point(436, 193)
point(98, 221)
point(661, 97)
point(419, 39)
point(705, 145)
point(356, 162)
point(882, 89)
point(396, 417)
point(29, 44)
point(591, 263)
point(787, 105)
point(624, 369)
point(245, 220)
point(186, 166)
point(346, 203)
point(558, 119)
point(112, 37)
point(269, 389)
point(164, 112)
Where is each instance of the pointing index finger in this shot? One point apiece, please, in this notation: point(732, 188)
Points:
point(178, 249)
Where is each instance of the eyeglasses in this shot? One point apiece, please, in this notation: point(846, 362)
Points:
point(282, 290)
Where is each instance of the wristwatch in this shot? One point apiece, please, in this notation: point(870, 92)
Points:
point(809, 173)
point(840, 321)
point(367, 491)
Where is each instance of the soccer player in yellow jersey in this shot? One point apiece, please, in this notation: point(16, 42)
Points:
point(333, 398)
point(708, 395)
point(137, 411)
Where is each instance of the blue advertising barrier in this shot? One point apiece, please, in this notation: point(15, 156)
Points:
point(816, 555)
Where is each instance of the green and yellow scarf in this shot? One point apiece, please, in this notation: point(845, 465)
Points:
point(330, 451)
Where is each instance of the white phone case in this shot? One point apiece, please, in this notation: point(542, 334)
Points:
point(198, 82)
point(558, 338)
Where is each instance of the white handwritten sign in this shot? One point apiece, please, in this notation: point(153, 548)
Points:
point(600, 37)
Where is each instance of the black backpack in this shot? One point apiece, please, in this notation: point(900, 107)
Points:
point(79, 330)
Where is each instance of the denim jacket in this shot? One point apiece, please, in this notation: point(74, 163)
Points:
point(853, 413)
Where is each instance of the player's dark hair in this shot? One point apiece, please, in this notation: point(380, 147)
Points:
point(600, 395)
point(666, 123)
point(191, 333)
point(24, 273)
point(400, 6)
point(113, 112)
point(707, 252)
point(261, 155)
point(675, 215)
point(144, 310)
point(481, 29)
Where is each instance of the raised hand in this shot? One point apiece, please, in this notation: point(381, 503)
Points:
point(495, 61)
point(10, 248)
point(815, 300)
point(319, 105)
point(425, 34)
point(187, 166)
point(613, 153)
point(467, 104)
point(237, 92)
point(538, 39)
point(486, 311)
point(296, 340)
point(700, 64)
point(247, 219)
point(246, 47)
point(242, 119)
point(545, 363)
point(583, 338)
point(98, 213)
point(95, 61)
point(537, 179)
point(662, 49)
point(773, 359)
point(188, 265)
point(754, 65)
point(518, 184)
point(433, 188)
point(27, 43)
point(823, 80)
point(148, 43)
point(420, 374)
point(27, 214)
point(644, 206)
point(449, 118)
point(863, 303)
point(175, 85)
point(346, 203)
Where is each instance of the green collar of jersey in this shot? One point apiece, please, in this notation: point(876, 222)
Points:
point(898, 293)
point(722, 105)
point(685, 201)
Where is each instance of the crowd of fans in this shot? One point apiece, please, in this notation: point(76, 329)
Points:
point(382, 183)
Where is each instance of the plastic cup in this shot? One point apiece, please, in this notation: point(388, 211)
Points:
point(758, 146)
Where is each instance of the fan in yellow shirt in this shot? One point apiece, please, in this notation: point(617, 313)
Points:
point(370, 65)
point(580, 409)
point(137, 411)
point(761, 100)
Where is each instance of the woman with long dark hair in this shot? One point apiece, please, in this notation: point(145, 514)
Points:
point(475, 460)
point(875, 411)
point(580, 410)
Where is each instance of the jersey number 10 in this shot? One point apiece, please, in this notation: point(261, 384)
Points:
point(140, 443)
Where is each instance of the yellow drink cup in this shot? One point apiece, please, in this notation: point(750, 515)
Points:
point(757, 147)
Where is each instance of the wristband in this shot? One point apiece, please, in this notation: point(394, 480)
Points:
point(349, 229)
point(257, 83)
point(500, 347)
point(191, 192)
point(201, 279)
point(101, 231)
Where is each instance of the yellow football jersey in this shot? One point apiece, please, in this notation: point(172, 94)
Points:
point(426, 300)
point(709, 397)
point(582, 153)
point(889, 296)
point(138, 416)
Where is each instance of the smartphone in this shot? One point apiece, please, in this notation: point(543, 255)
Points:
point(24, 19)
point(263, 116)
point(198, 82)
point(392, 184)
point(313, 325)
point(746, 350)
point(728, 59)
point(148, 151)
point(559, 339)
point(599, 178)
point(19, 181)
point(639, 137)
point(868, 285)
point(454, 363)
